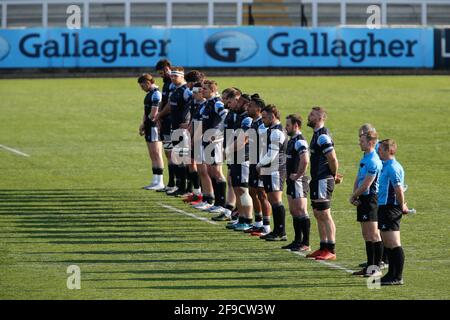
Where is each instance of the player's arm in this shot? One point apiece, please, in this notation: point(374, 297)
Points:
point(400, 194)
point(301, 146)
point(276, 138)
point(156, 100)
point(242, 139)
point(141, 126)
point(367, 182)
point(332, 163)
point(164, 113)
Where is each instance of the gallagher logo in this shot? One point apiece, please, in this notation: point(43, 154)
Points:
point(4, 48)
point(231, 46)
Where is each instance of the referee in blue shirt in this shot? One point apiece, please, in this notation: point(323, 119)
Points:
point(391, 207)
point(364, 196)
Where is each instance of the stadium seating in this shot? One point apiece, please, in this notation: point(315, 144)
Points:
point(263, 12)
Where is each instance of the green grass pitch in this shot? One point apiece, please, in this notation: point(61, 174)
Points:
point(77, 199)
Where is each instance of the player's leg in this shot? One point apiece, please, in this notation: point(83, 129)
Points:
point(155, 152)
point(279, 217)
point(207, 188)
point(389, 223)
point(266, 208)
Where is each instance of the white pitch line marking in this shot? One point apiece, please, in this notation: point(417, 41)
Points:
point(327, 263)
point(14, 151)
point(189, 214)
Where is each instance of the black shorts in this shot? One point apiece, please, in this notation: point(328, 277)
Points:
point(239, 174)
point(298, 188)
point(274, 181)
point(389, 217)
point(367, 209)
point(151, 134)
point(321, 189)
point(254, 180)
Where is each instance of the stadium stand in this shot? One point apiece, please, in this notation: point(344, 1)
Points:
point(107, 13)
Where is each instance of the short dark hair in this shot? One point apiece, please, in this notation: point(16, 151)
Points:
point(258, 101)
point(271, 108)
point(161, 64)
point(194, 76)
point(246, 97)
point(146, 77)
point(295, 119)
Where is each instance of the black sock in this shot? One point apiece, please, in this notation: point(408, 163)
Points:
point(229, 207)
point(369, 253)
point(331, 247)
point(323, 245)
point(398, 259)
point(193, 176)
point(181, 179)
point(189, 180)
point(305, 225)
point(214, 185)
point(377, 252)
point(172, 169)
point(158, 171)
point(279, 217)
point(221, 190)
point(276, 219)
point(258, 217)
point(385, 255)
point(241, 220)
point(296, 222)
point(391, 270)
point(248, 220)
point(208, 198)
point(266, 221)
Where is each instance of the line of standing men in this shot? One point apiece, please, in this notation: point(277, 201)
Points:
point(190, 109)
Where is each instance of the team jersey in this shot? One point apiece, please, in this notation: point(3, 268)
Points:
point(152, 99)
point(392, 175)
point(244, 123)
point(296, 146)
point(253, 139)
point(228, 123)
point(213, 114)
point(180, 107)
point(321, 144)
point(165, 123)
point(370, 165)
point(275, 145)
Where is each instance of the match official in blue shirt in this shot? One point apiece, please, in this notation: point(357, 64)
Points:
point(391, 207)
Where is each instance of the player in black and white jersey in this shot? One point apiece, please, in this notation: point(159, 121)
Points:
point(193, 79)
point(149, 129)
point(324, 175)
point(239, 168)
point(261, 205)
point(272, 168)
point(180, 117)
point(213, 117)
point(163, 119)
point(230, 118)
point(297, 160)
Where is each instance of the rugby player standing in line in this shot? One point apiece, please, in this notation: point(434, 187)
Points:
point(272, 168)
point(149, 129)
point(163, 118)
point(297, 160)
point(324, 166)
